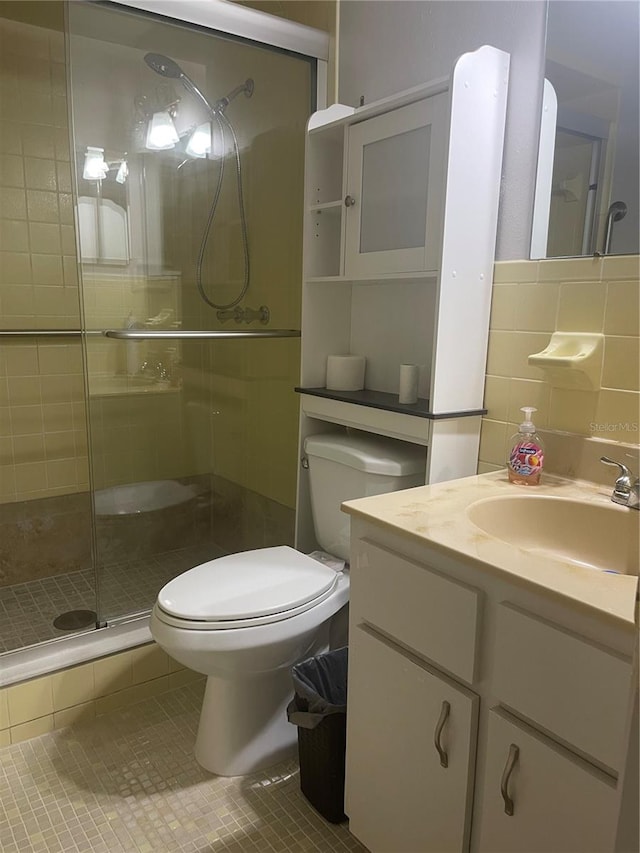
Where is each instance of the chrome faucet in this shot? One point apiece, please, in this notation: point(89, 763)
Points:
point(626, 490)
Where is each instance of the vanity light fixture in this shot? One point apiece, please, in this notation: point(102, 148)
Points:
point(161, 133)
point(123, 172)
point(95, 167)
point(199, 144)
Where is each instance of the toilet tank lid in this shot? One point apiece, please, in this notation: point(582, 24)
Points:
point(373, 454)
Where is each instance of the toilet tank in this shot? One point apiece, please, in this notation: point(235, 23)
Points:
point(343, 467)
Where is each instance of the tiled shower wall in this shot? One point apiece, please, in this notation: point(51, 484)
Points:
point(532, 299)
point(43, 448)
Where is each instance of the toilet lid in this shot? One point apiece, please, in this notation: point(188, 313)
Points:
point(247, 585)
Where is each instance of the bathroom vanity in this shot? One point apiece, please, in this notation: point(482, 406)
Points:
point(493, 669)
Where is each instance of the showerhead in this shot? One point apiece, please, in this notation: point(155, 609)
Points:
point(164, 66)
point(617, 211)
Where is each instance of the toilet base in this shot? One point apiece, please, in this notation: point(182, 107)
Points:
point(243, 723)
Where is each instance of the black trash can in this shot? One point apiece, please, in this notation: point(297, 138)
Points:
point(319, 710)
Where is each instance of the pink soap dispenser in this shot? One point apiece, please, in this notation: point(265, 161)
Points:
point(526, 456)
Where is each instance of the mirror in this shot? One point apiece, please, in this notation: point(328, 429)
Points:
point(587, 189)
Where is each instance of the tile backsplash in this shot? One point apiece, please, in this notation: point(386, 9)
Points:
point(533, 299)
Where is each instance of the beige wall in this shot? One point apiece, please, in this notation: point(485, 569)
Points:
point(532, 299)
point(43, 448)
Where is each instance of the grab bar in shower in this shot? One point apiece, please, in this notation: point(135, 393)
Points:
point(45, 333)
point(195, 335)
point(150, 334)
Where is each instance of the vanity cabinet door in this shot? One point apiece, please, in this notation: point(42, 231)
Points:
point(559, 802)
point(395, 177)
point(404, 724)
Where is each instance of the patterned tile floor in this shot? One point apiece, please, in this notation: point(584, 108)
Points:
point(27, 610)
point(127, 782)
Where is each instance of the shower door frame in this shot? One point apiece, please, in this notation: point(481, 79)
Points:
point(236, 20)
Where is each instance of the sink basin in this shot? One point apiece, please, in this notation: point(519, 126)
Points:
point(592, 535)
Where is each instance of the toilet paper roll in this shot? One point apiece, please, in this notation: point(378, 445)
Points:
point(345, 372)
point(408, 392)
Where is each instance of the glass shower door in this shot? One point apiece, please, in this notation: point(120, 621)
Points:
point(188, 195)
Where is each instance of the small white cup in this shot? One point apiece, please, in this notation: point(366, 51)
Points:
point(408, 392)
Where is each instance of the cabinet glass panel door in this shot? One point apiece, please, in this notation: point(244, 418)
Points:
point(394, 190)
point(394, 194)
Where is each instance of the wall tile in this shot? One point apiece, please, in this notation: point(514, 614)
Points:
point(112, 674)
point(29, 700)
point(503, 307)
point(14, 235)
point(529, 392)
point(581, 307)
point(515, 271)
point(536, 307)
point(13, 203)
point(40, 174)
point(496, 397)
point(44, 238)
point(185, 676)
point(621, 367)
point(47, 269)
point(621, 266)
point(149, 662)
point(493, 441)
point(508, 353)
point(570, 269)
point(622, 313)
point(72, 686)
point(572, 411)
point(4, 709)
point(618, 416)
point(42, 206)
point(15, 267)
point(11, 171)
point(32, 729)
point(77, 714)
point(5, 738)
point(38, 141)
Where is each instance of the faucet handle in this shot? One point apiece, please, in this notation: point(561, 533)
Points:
point(624, 478)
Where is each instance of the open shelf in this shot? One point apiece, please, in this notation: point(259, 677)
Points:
point(387, 402)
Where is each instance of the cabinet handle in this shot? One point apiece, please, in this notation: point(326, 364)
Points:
point(349, 200)
point(512, 758)
point(444, 716)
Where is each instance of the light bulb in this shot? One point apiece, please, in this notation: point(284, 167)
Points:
point(199, 144)
point(95, 168)
point(123, 172)
point(161, 133)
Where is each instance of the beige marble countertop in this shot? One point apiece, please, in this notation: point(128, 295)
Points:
point(437, 516)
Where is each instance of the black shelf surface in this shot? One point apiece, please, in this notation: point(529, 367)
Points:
point(387, 402)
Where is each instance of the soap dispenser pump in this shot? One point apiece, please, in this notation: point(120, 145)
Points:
point(526, 456)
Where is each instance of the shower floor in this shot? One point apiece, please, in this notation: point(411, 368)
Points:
point(27, 610)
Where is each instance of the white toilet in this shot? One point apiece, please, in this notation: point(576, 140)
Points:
point(245, 619)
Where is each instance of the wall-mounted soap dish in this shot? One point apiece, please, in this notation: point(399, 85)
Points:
point(572, 360)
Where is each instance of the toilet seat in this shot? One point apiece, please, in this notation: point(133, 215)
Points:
point(244, 590)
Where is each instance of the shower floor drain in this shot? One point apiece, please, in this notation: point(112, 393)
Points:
point(74, 619)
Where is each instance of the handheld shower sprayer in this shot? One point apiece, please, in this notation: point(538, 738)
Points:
point(166, 67)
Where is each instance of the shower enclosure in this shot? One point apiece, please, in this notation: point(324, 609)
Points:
point(150, 240)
